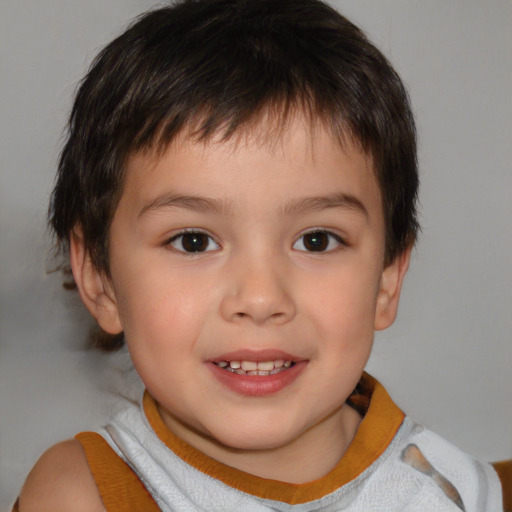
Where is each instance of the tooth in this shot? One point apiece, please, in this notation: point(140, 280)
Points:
point(234, 364)
point(287, 364)
point(222, 364)
point(266, 365)
point(240, 372)
point(279, 363)
point(249, 365)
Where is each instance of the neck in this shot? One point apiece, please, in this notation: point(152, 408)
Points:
point(308, 457)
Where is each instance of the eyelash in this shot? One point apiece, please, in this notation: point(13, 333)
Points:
point(181, 235)
point(331, 238)
point(322, 243)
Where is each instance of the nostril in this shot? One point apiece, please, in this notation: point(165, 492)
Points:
point(243, 307)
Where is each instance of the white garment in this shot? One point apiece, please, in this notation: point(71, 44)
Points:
point(390, 483)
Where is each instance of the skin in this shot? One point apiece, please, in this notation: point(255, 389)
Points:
point(256, 286)
point(60, 481)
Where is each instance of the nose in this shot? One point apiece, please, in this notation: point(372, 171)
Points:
point(258, 292)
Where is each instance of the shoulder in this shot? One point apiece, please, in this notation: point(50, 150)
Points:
point(61, 480)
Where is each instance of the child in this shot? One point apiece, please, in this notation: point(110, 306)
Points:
point(237, 194)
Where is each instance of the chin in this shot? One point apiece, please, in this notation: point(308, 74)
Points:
point(256, 436)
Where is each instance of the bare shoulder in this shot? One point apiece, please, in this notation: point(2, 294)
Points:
point(61, 480)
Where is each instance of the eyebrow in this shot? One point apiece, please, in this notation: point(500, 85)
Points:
point(294, 207)
point(189, 202)
point(317, 203)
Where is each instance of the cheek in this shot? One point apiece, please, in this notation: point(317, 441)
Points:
point(161, 334)
point(346, 303)
point(162, 310)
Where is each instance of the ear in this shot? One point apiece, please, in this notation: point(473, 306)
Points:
point(389, 292)
point(95, 288)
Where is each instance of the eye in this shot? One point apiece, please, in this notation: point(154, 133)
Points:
point(193, 241)
point(318, 241)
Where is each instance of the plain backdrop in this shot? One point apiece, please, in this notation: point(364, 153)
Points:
point(446, 361)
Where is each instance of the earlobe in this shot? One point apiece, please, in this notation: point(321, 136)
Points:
point(94, 287)
point(391, 282)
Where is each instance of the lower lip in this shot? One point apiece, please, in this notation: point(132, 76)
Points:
point(257, 385)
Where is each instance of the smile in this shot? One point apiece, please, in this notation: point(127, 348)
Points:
point(257, 373)
point(261, 368)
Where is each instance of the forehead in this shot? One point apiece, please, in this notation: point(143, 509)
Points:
point(273, 127)
point(280, 160)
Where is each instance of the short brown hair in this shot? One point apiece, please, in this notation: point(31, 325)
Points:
point(217, 65)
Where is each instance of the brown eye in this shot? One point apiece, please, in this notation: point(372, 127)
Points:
point(318, 241)
point(193, 242)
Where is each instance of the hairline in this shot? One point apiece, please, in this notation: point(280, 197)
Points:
point(279, 118)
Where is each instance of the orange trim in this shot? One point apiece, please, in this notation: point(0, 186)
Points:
point(504, 470)
point(119, 487)
point(376, 431)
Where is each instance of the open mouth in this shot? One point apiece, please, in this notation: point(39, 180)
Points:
point(262, 368)
point(258, 374)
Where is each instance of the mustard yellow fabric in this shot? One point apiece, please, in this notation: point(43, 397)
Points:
point(122, 491)
point(375, 432)
point(119, 487)
point(504, 470)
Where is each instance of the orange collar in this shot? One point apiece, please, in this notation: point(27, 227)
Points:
point(377, 429)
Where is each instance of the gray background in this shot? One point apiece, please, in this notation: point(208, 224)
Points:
point(447, 359)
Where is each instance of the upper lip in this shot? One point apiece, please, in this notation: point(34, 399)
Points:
point(257, 356)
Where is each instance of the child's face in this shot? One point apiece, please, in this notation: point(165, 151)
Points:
point(255, 252)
